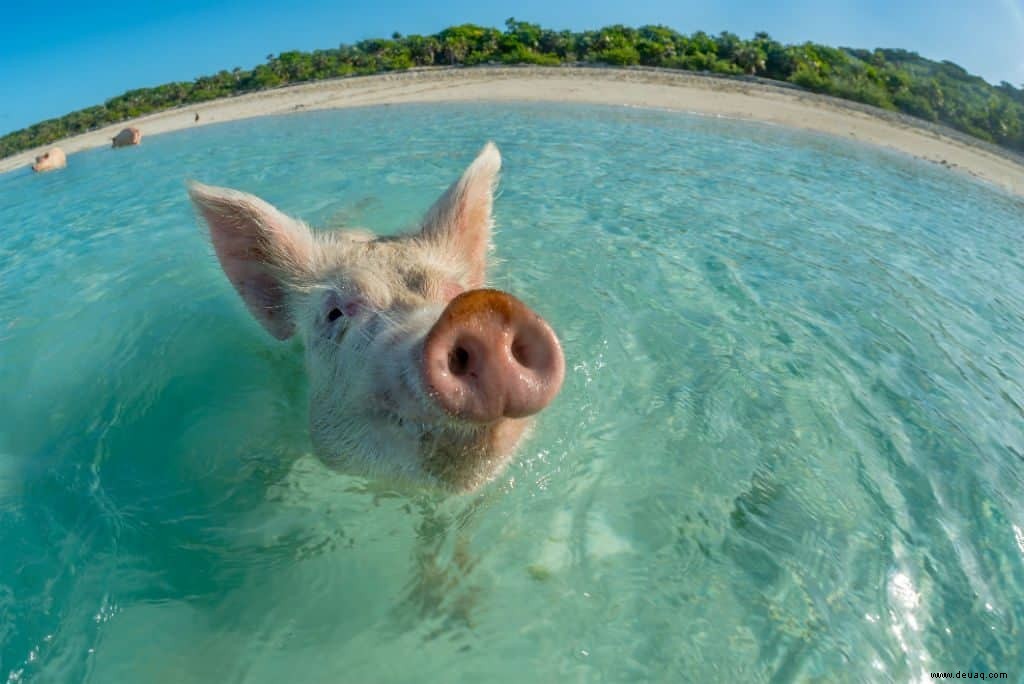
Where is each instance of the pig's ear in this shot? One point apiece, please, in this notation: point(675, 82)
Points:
point(261, 250)
point(461, 218)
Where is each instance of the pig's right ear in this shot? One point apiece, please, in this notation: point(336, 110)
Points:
point(261, 250)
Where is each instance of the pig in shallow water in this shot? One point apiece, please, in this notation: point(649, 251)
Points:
point(50, 160)
point(127, 137)
point(416, 371)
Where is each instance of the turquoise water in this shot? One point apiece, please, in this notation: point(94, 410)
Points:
point(790, 444)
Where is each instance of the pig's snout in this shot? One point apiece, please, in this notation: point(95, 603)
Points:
point(489, 356)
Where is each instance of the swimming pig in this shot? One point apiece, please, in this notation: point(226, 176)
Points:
point(416, 370)
point(50, 160)
point(127, 137)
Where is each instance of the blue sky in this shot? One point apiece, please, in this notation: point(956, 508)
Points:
point(56, 57)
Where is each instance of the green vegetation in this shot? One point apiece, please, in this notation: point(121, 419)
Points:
point(939, 92)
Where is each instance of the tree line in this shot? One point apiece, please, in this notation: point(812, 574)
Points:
point(897, 80)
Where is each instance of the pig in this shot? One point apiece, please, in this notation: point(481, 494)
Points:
point(418, 373)
point(50, 160)
point(127, 137)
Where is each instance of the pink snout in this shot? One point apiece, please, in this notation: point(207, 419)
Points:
point(489, 357)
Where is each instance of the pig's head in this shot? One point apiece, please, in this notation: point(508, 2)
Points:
point(416, 371)
point(50, 160)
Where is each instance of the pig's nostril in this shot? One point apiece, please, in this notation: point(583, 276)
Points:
point(521, 352)
point(458, 361)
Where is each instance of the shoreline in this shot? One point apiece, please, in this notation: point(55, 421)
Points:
point(736, 98)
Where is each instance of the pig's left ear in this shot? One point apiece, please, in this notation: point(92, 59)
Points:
point(461, 218)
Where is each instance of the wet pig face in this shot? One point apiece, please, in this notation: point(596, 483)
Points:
point(417, 371)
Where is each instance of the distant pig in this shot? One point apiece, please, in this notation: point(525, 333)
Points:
point(417, 371)
point(127, 137)
point(50, 160)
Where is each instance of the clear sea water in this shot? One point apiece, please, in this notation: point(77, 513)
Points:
point(790, 444)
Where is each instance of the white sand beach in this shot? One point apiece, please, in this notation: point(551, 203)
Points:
point(679, 91)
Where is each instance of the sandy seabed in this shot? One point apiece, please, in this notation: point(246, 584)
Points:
point(658, 89)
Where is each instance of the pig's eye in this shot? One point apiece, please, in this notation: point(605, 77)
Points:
point(337, 307)
point(416, 280)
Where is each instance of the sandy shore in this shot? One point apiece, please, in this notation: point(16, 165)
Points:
point(641, 88)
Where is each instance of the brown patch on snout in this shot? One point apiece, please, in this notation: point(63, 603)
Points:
point(485, 301)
